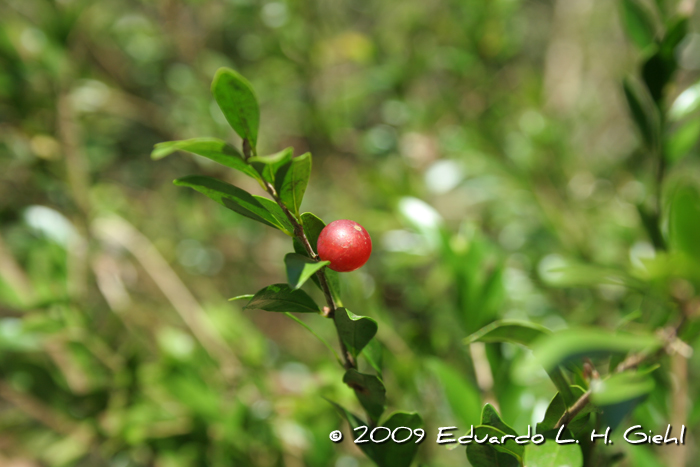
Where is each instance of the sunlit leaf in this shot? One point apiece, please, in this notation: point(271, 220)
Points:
point(681, 141)
point(313, 226)
point(267, 166)
point(276, 211)
point(300, 268)
point(233, 198)
point(291, 181)
point(211, 148)
point(355, 331)
point(374, 353)
point(237, 101)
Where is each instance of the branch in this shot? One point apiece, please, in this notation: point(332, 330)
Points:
point(301, 236)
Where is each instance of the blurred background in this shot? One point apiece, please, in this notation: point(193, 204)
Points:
point(482, 143)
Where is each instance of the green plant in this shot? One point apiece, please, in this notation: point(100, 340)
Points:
point(285, 178)
point(604, 377)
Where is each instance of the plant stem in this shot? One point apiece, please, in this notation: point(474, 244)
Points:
point(349, 361)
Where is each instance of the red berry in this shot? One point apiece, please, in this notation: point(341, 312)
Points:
point(346, 244)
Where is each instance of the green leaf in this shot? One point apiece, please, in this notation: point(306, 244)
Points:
point(484, 455)
point(369, 390)
point(523, 333)
point(619, 394)
point(398, 455)
point(238, 103)
point(267, 166)
point(355, 331)
point(374, 353)
point(675, 33)
point(392, 454)
point(509, 447)
point(572, 344)
point(659, 69)
point(241, 297)
point(645, 114)
point(312, 229)
point(684, 221)
point(551, 454)
point(291, 181)
point(556, 409)
point(490, 417)
point(211, 148)
point(276, 211)
point(638, 23)
point(300, 268)
point(333, 280)
point(464, 399)
point(233, 198)
point(620, 387)
point(282, 298)
point(683, 140)
point(508, 330)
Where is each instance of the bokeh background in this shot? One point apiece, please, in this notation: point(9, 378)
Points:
point(480, 142)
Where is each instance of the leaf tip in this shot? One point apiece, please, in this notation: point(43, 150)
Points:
point(160, 151)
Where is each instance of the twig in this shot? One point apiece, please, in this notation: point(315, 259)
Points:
point(301, 236)
point(248, 151)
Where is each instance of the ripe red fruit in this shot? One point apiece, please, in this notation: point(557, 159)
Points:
point(346, 244)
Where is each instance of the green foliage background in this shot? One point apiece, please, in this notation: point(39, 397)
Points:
point(486, 146)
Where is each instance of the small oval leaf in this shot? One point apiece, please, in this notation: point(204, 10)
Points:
point(300, 268)
point(237, 101)
point(282, 298)
point(211, 148)
point(234, 198)
point(355, 331)
point(369, 390)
